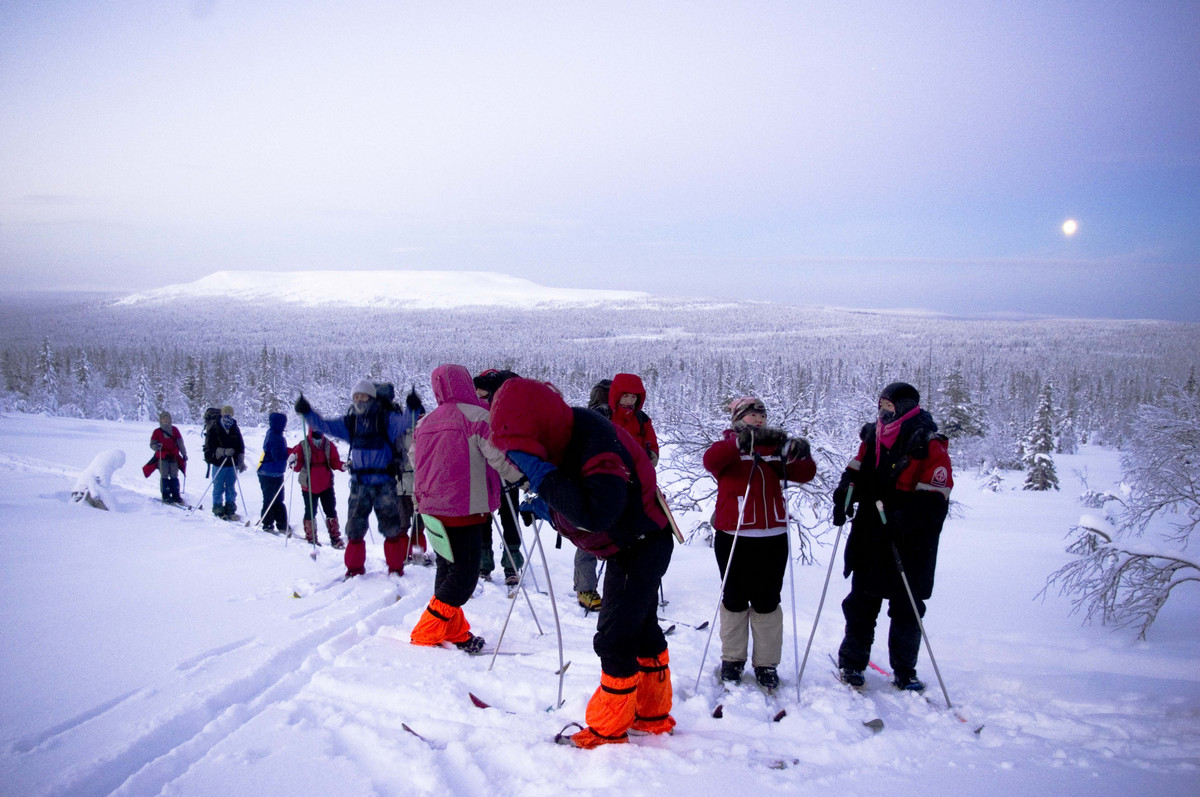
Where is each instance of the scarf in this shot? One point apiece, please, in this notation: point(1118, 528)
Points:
point(886, 434)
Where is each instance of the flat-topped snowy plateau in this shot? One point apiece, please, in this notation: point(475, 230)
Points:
point(381, 289)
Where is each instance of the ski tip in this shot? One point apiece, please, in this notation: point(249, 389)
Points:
point(295, 594)
point(719, 711)
point(702, 626)
point(476, 701)
point(782, 713)
point(876, 725)
point(669, 631)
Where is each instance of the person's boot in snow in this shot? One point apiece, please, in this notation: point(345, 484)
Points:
point(767, 677)
point(852, 677)
point(356, 558)
point(909, 683)
point(395, 551)
point(473, 644)
point(610, 712)
point(335, 535)
point(310, 536)
point(654, 695)
point(731, 671)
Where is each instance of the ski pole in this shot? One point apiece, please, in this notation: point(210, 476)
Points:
point(291, 494)
point(913, 602)
point(821, 604)
point(308, 496)
point(528, 549)
point(241, 493)
point(562, 665)
point(200, 503)
point(728, 567)
point(511, 605)
point(787, 509)
point(269, 506)
point(520, 578)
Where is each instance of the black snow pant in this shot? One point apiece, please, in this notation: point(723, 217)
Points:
point(273, 511)
point(627, 628)
point(756, 577)
point(455, 581)
point(861, 608)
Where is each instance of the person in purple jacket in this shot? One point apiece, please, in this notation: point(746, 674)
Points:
point(458, 486)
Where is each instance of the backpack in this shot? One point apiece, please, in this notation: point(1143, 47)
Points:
point(385, 398)
point(212, 415)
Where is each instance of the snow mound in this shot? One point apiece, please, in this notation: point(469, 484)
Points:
point(415, 290)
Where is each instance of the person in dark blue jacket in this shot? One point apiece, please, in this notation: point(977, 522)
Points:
point(270, 474)
point(375, 431)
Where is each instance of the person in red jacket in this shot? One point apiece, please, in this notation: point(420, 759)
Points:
point(903, 465)
point(315, 458)
point(750, 462)
point(596, 486)
point(170, 458)
point(626, 397)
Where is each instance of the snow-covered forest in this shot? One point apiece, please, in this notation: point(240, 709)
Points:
point(821, 368)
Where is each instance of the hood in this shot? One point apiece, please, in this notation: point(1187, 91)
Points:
point(452, 384)
point(599, 396)
point(626, 383)
point(277, 421)
point(532, 417)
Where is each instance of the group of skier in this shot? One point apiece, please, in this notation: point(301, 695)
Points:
point(590, 473)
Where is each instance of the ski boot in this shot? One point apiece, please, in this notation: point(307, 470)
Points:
point(731, 671)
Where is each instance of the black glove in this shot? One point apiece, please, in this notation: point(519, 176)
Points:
point(840, 510)
point(302, 406)
point(794, 448)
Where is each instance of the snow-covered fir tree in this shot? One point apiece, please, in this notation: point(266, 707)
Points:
point(144, 396)
point(959, 415)
point(46, 376)
point(1039, 443)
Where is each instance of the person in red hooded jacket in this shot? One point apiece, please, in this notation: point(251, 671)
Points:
point(594, 483)
point(749, 463)
point(626, 397)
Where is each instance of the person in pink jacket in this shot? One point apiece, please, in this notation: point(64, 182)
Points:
point(456, 481)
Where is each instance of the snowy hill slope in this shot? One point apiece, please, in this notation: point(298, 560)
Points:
point(429, 290)
point(149, 650)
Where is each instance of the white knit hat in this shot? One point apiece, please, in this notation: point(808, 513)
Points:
point(365, 386)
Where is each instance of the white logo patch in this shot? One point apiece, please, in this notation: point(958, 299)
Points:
point(940, 477)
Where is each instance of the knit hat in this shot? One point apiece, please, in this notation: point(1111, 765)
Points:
point(164, 416)
point(903, 395)
point(738, 408)
point(227, 410)
point(365, 386)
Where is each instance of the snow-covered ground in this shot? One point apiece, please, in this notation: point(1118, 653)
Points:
point(149, 650)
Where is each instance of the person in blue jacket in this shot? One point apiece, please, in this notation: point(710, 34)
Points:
point(270, 473)
point(375, 430)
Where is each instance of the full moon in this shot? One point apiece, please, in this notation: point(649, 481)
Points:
point(1070, 226)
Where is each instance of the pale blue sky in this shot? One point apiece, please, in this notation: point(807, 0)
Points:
point(919, 155)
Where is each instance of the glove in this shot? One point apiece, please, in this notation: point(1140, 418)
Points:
point(291, 462)
point(302, 406)
point(746, 439)
point(536, 506)
point(156, 446)
point(534, 468)
point(241, 467)
point(794, 448)
point(840, 510)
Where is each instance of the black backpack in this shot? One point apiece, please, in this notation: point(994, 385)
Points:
point(212, 415)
